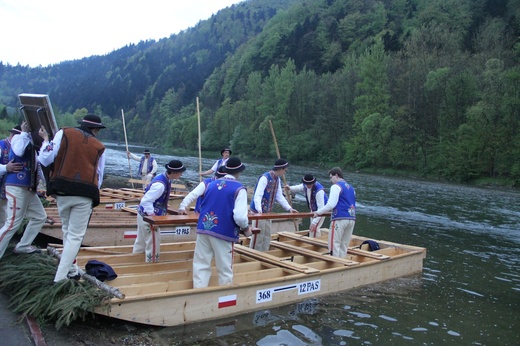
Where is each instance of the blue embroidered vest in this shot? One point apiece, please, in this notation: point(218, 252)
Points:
point(161, 204)
point(199, 200)
point(346, 207)
point(149, 165)
point(5, 147)
point(220, 163)
point(269, 193)
point(312, 204)
point(28, 176)
point(216, 213)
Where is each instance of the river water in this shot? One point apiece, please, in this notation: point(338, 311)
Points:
point(467, 294)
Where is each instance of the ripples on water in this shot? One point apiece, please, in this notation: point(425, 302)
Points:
point(468, 293)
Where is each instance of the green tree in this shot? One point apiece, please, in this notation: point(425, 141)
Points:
point(3, 113)
point(372, 94)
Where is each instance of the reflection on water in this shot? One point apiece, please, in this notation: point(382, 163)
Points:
point(468, 293)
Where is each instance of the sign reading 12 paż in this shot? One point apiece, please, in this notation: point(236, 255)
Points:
point(266, 295)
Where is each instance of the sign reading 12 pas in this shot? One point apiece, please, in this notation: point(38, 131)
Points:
point(266, 295)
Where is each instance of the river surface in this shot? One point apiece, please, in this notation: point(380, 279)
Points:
point(467, 294)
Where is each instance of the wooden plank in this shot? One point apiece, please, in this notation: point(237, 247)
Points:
point(324, 244)
point(313, 254)
point(265, 257)
point(370, 254)
point(130, 210)
point(194, 217)
point(174, 185)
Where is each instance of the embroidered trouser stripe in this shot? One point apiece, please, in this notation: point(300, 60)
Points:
point(21, 203)
point(148, 240)
point(262, 241)
point(75, 214)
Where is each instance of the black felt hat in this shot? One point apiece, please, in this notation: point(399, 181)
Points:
point(226, 149)
point(280, 163)
point(221, 171)
point(308, 179)
point(92, 121)
point(175, 166)
point(234, 165)
point(146, 151)
point(16, 130)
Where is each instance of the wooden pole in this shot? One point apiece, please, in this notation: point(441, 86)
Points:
point(126, 143)
point(200, 154)
point(278, 154)
point(288, 194)
point(275, 142)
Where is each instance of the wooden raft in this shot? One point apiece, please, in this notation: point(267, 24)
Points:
point(293, 269)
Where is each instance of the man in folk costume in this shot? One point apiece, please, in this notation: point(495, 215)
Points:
point(198, 192)
point(223, 215)
point(7, 166)
point(268, 190)
point(316, 198)
point(78, 163)
point(342, 203)
point(225, 153)
point(22, 199)
point(155, 202)
point(147, 166)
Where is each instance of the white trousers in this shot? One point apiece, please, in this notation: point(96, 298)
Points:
point(75, 214)
point(317, 233)
point(148, 240)
point(262, 240)
point(21, 203)
point(147, 178)
point(207, 247)
point(339, 236)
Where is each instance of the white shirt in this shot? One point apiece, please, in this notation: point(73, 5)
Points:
point(156, 190)
point(20, 142)
point(241, 208)
point(215, 166)
point(144, 169)
point(239, 211)
point(259, 193)
point(335, 190)
point(320, 198)
point(192, 196)
point(47, 157)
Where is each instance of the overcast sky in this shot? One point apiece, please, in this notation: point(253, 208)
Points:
point(43, 32)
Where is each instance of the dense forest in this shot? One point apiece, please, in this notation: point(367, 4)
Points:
point(428, 86)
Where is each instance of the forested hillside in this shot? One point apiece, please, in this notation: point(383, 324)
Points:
point(431, 86)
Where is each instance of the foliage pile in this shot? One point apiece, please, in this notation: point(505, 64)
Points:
point(28, 279)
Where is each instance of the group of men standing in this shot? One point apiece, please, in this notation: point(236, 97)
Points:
point(223, 210)
point(76, 160)
point(341, 204)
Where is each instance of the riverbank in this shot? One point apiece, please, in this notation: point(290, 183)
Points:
point(500, 182)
